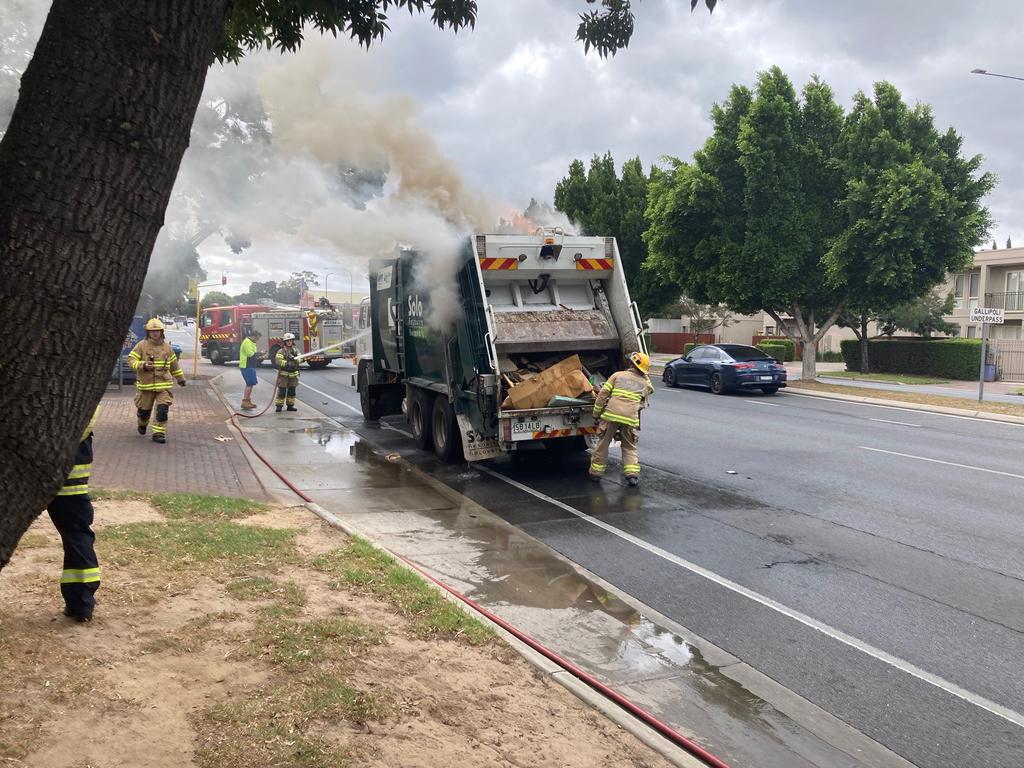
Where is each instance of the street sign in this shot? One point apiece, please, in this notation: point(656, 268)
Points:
point(193, 288)
point(986, 315)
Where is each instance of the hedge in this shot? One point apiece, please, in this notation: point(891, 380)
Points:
point(946, 358)
point(790, 348)
point(687, 347)
point(778, 351)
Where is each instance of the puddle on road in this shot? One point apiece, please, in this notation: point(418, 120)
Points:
point(519, 579)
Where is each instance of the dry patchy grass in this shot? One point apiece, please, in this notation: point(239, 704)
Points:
point(1008, 409)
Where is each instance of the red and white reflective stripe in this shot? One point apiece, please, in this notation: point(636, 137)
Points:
point(499, 263)
point(570, 432)
point(588, 264)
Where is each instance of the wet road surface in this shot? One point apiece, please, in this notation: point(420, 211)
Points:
point(883, 587)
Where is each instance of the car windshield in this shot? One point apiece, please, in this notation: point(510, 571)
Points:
point(741, 353)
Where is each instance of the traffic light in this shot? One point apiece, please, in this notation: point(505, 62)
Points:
point(223, 279)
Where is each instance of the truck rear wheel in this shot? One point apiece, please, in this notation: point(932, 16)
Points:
point(272, 355)
point(447, 440)
point(420, 413)
point(215, 354)
point(318, 364)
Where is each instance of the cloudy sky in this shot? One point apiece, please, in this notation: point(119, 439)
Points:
point(511, 103)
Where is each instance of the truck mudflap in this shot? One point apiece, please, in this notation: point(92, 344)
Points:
point(546, 423)
point(475, 446)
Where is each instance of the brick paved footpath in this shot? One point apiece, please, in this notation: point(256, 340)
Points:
point(191, 461)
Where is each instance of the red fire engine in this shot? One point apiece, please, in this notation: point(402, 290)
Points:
point(223, 328)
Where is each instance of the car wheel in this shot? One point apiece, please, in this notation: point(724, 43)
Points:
point(717, 384)
point(419, 419)
point(769, 390)
point(670, 377)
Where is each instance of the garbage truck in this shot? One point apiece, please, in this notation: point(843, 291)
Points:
point(502, 348)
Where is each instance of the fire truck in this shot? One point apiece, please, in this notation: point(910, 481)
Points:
point(313, 329)
point(223, 328)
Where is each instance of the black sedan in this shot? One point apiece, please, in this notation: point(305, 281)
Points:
point(722, 367)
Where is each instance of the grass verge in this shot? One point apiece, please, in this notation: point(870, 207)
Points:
point(362, 566)
point(890, 378)
point(189, 506)
point(1008, 409)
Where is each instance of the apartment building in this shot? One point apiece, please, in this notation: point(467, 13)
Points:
point(996, 279)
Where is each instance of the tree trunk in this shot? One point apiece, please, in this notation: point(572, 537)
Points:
point(865, 364)
point(87, 166)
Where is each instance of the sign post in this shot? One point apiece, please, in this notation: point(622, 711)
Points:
point(986, 316)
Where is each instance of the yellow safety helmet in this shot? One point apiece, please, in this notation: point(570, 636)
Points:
point(641, 361)
point(154, 324)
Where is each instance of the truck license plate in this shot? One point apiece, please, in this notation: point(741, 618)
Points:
point(520, 427)
point(765, 378)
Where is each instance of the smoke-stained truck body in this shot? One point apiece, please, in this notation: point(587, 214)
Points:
point(443, 356)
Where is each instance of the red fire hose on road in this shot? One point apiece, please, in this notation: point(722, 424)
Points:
point(641, 714)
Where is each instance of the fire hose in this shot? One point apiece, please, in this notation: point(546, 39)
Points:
point(612, 695)
point(270, 402)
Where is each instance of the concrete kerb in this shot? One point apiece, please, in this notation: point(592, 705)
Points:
point(966, 412)
point(676, 755)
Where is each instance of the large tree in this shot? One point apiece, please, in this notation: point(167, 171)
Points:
point(88, 162)
point(794, 210)
point(600, 201)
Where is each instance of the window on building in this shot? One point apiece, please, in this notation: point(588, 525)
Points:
point(1014, 291)
point(972, 331)
point(966, 287)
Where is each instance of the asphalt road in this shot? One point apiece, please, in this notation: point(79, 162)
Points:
point(867, 558)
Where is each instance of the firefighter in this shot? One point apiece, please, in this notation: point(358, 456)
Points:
point(155, 366)
point(287, 360)
point(248, 356)
point(618, 407)
point(71, 512)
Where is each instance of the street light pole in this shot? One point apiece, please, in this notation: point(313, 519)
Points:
point(994, 74)
point(326, 275)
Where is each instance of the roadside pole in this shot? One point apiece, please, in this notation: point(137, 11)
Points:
point(193, 290)
point(986, 316)
point(984, 350)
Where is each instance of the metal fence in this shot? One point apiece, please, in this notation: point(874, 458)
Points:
point(1011, 302)
point(1009, 358)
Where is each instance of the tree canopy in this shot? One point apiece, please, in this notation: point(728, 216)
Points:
point(794, 209)
point(599, 201)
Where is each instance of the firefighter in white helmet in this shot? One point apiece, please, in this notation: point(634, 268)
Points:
point(618, 407)
point(287, 359)
point(156, 367)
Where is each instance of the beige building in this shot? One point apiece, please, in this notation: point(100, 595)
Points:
point(995, 280)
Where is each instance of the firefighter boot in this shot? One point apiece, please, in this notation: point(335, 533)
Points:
point(632, 481)
point(279, 408)
point(291, 408)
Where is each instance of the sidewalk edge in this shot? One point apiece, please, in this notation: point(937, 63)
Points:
point(647, 735)
point(947, 410)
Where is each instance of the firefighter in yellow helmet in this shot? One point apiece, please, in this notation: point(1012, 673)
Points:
point(156, 367)
point(287, 359)
point(618, 407)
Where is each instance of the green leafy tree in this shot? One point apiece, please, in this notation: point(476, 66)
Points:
point(912, 212)
point(602, 202)
point(288, 291)
point(215, 299)
point(923, 316)
point(792, 209)
point(117, 90)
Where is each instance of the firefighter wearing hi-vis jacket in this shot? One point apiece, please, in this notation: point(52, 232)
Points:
point(156, 367)
point(287, 360)
point(618, 407)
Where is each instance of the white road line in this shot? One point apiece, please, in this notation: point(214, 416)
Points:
point(330, 397)
point(901, 423)
point(915, 411)
point(758, 402)
point(947, 463)
point(894, 661)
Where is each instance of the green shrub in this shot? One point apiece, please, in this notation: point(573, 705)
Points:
point(830, 357)
point(778, 351)
point(688, 346)
point(942, 358)
point(790, 353)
